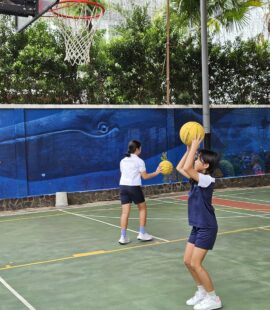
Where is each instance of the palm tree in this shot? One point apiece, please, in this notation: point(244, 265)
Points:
point(221, 13)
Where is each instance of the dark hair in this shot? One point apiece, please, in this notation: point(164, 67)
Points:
point(211, 158)
point(133, 145)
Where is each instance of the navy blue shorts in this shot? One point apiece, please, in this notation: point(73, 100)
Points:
point(203, 238)
point(129, 194)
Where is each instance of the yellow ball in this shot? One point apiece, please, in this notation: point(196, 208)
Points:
point(166, 166)
point(189, 131)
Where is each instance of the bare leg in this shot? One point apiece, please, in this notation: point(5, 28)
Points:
point(125, 216)
point(187, 261)
point(142, 213)
point(202, 275)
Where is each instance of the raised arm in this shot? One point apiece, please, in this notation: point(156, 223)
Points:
point(181, 164)
point(189, 164)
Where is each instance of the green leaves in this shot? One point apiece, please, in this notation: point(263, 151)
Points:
point(164, 156)
point(130, 67)
point(223, 13)
point(240, 73)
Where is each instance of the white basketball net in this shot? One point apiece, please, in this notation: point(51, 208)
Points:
point(78, 32)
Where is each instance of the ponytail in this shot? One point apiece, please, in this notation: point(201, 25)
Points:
point(133, 145)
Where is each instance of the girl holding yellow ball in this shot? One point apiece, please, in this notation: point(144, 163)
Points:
point(202, 219)
point(133, 169)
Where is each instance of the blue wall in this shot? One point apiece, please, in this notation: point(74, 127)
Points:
point(45, 151)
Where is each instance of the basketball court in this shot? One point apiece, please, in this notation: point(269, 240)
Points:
point(70, 258)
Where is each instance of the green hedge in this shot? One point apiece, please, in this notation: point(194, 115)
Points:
point(130, 68)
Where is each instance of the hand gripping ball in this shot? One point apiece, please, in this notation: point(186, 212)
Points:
point(189, 131)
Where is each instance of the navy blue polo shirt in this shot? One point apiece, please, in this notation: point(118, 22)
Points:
point(201, 213)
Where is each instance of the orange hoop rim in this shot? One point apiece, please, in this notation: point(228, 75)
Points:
point(68, 3)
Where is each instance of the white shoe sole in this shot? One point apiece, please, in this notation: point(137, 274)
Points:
point(214, 307)
point(123, 243)
point(144, 239)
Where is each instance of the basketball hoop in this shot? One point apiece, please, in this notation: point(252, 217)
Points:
point(77, 21)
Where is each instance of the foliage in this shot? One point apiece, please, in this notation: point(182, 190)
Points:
point(240, 72)
point(130, 68)
point(223, 13)
point(33, 68)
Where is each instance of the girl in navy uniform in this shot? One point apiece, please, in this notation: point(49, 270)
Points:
point(132, 169)
point(201, 215)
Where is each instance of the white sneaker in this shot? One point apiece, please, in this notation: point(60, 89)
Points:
point(124, 240)
point(198, 296)
point(209, 303)
point(144, 237)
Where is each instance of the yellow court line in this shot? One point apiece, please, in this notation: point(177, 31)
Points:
point(36, 263)
point(268, 229)
point(126, 248)
point(79, 255)
point(242, 230)
point(89, 253)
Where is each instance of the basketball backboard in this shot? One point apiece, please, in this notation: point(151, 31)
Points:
point(18, 7)
point(41, 7)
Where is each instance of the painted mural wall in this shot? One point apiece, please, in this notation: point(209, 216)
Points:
point(43, 151)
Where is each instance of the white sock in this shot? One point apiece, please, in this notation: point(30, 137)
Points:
point(201, 289)
point(211, 294)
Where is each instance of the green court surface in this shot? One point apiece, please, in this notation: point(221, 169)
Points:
point(71, 259)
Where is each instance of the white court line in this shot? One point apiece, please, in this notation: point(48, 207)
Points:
point(240, 197)
point(82, 208)
point(163, 218)
point(106, 223)
point(71, 207)
point(179, 194)
point(99, 210)
point(237, 191)
point(242, 213)
point(223, 190)
point(165, 201)
point(16, 294)
point(248, 214)
point(175, 199)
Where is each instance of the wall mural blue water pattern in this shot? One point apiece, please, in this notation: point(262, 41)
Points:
point(47, 151)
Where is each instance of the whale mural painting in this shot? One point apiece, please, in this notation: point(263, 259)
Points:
point(70, 143)
point(242, 129)
point(45, 151)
